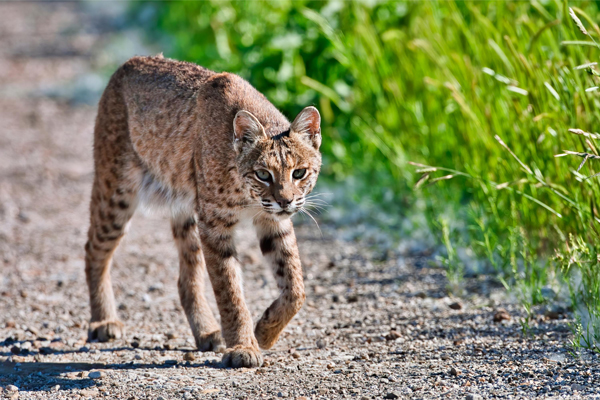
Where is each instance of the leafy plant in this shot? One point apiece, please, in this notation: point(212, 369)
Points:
point(479, 95)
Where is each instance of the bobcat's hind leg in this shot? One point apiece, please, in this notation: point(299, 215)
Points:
point(191, 285)
point(112, 206)
point(117, 180)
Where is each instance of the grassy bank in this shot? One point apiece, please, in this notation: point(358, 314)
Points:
point(479, 96)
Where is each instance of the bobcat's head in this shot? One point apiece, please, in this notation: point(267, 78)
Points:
point(279, 170)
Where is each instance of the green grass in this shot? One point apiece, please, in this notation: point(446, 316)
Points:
point(481, 94)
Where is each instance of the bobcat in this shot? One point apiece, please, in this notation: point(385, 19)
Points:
point(214, 150)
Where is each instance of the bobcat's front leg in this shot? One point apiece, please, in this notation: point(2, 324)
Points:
point(278, 244)
point(225, 276)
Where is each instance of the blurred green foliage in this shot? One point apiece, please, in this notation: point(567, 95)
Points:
point(300, 53)
point(432, 82)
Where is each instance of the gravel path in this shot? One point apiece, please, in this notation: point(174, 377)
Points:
point(376, 324)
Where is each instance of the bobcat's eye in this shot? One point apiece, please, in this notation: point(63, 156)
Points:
point(263, 175)
point(299, 173)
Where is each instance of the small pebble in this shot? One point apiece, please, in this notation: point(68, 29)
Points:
point(552, 315)
point(55, 388)
point(12, 388)
point(391, 395)
point(393, 335)
point(88, 393)
point(578, 387)
point(455, 372)
point(456, 306)
point(95, 374)
point(321, 344)
point(501, 315)
point(23, 217)
point(189, 356)
point(172, 335)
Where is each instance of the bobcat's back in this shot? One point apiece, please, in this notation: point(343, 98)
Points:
point(175, 108)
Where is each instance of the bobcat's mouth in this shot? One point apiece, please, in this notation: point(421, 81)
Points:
point(273, 208)
point(285, 212)
point(281, 214)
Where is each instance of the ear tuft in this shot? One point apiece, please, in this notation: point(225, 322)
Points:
point(246, 129)
point(308, 125)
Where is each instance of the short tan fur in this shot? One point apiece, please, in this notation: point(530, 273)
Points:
point(214, 150)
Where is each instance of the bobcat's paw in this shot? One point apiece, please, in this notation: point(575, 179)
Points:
point(266, 336)
point(242, 357)
point(211, 342)
point(103, 331)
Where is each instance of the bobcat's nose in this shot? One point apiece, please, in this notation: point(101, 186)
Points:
point(283, 203)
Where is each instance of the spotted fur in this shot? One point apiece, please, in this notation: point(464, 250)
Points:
point(212, 149)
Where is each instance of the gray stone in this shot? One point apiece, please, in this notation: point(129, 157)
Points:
point(95, 374)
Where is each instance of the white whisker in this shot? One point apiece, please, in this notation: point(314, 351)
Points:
point(320, 206)
point(321, 201)
point(311, 199)
point(321, 194)
point(315, 199)
point(312, 203)
point(316, 205)
point(304, 211)
point(255, 215)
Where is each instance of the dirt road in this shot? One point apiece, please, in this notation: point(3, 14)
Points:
point(376, 324)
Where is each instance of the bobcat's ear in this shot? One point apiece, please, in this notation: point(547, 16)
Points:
point(246, 129)
point(308, 125)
